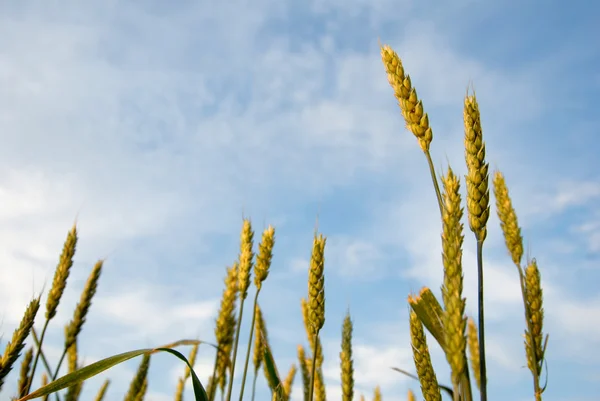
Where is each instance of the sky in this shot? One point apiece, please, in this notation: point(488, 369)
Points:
point(158, 126)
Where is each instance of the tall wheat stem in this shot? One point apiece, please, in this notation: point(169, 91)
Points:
point(313, 370)
point(482, 364)
point(249, 345)
point(235, 347)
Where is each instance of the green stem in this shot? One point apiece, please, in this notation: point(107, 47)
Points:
point(37, 357)
point(42, 355)
point(438, 193)
point(482, 365)
point(249, 345)
point(254, 383)
point(235, 347)
point(314, 370)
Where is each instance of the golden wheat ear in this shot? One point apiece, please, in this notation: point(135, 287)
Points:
point(346, 363)
point(425, 372)
point(15, 346)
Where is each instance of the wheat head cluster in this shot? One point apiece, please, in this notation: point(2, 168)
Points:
point(459, 337)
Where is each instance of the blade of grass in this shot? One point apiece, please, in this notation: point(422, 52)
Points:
point(107, 363)
point(443, 387)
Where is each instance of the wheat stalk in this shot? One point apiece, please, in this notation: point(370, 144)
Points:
point(346, 363)
point(261, 272)
point(245, 259)
point(478, 200)
point(514, 244)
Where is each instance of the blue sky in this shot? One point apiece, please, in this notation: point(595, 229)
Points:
point(160, 126)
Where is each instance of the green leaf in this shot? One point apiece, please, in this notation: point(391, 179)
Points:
point(441, 386)
point(96, 368)
point(275, 381)
point(430, 312)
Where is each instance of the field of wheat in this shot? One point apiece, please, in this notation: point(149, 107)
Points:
point(443, 321)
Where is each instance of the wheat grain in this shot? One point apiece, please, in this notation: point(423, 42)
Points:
point(15, 346)
point(137, 385)
point(410, 105)
point(377, 394)
point(142, 393)
point(473, 344)
point(73, 391)
point(83, 305)
point(452, 238)
point(245, 258)
point(62, 273)
point(508, 219)
point(305, 371)
point(316, 285)
point(102, 391)
point(535, 352)
point(320, 390)
point(263, 259)
point(289, 382)
point(315, 345)
point(24, 373)
point(478, 193)
point(427, 378)
point(225, 328)
point(346, 363)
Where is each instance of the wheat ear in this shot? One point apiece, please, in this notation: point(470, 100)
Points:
point(410, 396)
point(73, 391)
point(454, 303)
point(59, 283)
point(74, 327)
point(411, 107)
point(224, 331)
point(288, 382)
point(478, 201)
point(346, 363)
point(137, 385)
point(377, 394)
point(534, 345)
point(15, 346)
point(260, 339)
point(473, 345)
point(427, 378)
point(102, 391)
point(316, 298)
point(304, 370)
point(508, 219)
point(514, 243)
point(315, 345)
point(24, 373)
